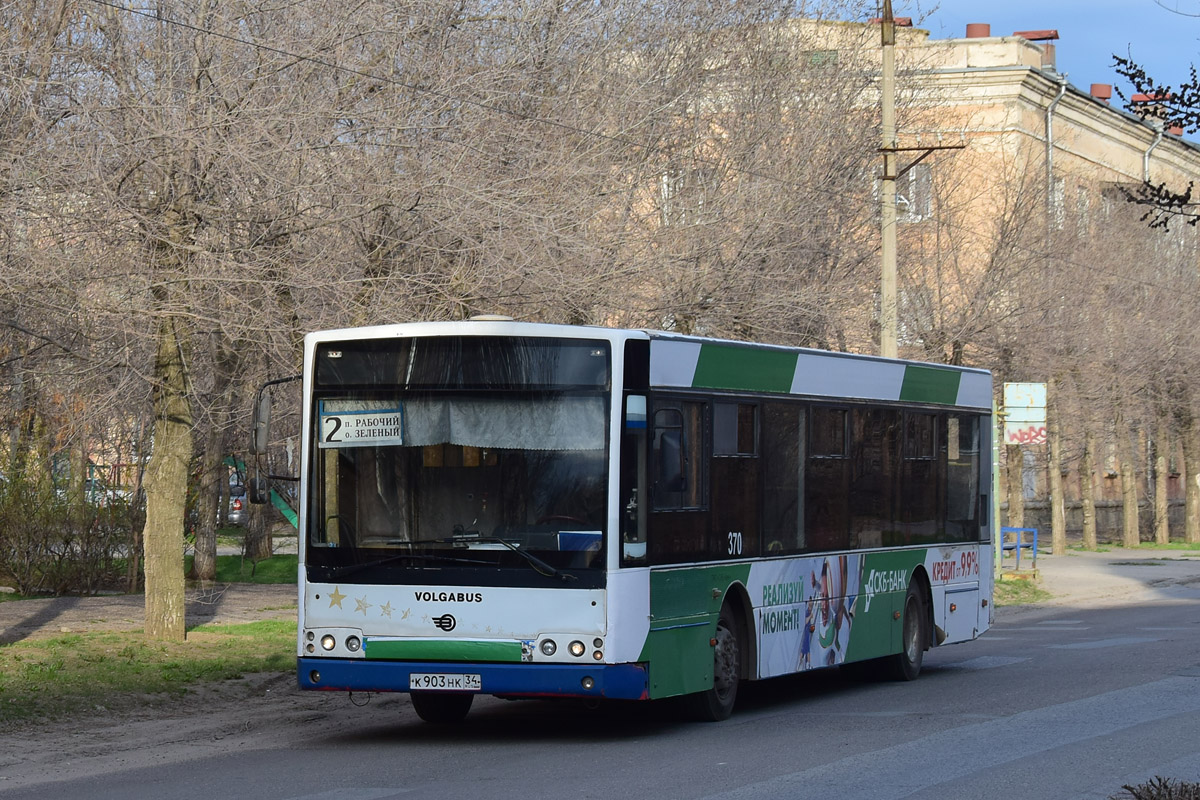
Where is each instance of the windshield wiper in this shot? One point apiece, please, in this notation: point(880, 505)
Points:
point(539, 566)
point(350, 569)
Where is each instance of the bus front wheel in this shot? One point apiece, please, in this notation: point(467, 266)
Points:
point(442, 707)
point(716, 704)
point(906, 665)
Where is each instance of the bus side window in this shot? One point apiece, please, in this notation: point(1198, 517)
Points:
point(783, 446)
point(677, 456)
point(670, 461)
point(826, 480)
point(668, 457)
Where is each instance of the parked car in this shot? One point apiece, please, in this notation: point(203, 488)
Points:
point(237, 504)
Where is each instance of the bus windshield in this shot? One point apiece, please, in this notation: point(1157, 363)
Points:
point(437, 477)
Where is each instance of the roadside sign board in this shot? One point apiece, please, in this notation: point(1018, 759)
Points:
point(1025, 413)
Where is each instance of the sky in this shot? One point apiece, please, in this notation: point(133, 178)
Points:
point(1161, 35)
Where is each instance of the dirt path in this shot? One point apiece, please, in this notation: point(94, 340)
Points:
point(238, 602)
point(263, 710)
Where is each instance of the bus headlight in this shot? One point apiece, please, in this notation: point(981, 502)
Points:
point(328, 642)
point(549, 648)
point(576, 649)
point(353, 643)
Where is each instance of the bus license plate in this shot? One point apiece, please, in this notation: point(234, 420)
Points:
point(444, 682)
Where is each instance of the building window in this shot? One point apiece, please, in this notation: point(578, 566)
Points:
point(1058, 203)
point(684, 194)
point(914, 194)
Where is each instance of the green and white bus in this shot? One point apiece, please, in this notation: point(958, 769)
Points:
point(529, 510)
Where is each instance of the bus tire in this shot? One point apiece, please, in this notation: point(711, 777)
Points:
point(906, 665)
point(442, 707)
point(716, 704)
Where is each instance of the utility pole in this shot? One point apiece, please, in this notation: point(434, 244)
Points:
point(888, 334)
point(887, 285)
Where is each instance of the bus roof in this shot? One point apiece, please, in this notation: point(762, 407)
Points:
point(697, 362)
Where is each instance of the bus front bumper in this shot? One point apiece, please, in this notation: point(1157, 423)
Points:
point(611, 681)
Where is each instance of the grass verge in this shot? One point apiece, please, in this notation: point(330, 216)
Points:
point(1187, 547)
point(279, 568)
point(1018, 593)
point(51, 677)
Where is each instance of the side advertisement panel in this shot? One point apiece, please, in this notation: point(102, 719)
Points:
point(827, 610)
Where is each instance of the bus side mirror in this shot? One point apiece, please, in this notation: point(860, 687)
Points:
point(670, 461)
point(258, 490)
point(260, 432)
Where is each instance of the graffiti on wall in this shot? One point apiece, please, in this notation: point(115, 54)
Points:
point(1024, 433)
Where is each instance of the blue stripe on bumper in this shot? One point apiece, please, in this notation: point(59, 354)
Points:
point(613, 681)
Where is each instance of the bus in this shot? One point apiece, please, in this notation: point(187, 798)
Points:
point(532, 510)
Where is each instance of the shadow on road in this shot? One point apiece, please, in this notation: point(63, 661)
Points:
point(41, 613)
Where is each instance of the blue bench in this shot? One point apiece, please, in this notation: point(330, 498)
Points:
point(1022, 539)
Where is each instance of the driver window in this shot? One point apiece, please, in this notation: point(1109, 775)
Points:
point(677, 455)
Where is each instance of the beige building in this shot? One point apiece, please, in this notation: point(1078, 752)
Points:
point(1036, 173)
point(1020, 119)
point(1002, 97)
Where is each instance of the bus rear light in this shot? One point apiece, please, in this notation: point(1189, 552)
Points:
point(576, 649)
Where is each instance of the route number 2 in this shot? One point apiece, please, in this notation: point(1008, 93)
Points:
point(332, 426)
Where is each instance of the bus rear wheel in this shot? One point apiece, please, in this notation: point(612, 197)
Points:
point(442, 707)
point(906, 665)
point(716, 704)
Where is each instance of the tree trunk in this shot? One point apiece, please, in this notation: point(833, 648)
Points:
point(1191, 467)
point(213, 495)
point(166, 487)
point(1162, 525)
point(1058, 519)
point(1131, 535)
point(208, 501)
point(258, 532)
point(1087, 488)
point(1014, 472)
point(133, 564)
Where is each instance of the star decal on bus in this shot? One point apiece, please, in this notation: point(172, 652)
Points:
point(385, 610)
point(336, 598)
point(362, 605)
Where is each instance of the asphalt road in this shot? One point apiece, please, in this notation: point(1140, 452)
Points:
point(1063, 703)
